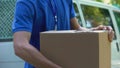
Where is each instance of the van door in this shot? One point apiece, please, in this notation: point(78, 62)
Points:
point(117, 17)
point(95, 15)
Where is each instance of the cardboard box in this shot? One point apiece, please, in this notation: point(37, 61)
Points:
point(76, 49)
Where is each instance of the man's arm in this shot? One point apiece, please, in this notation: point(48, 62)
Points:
point(28, 53)
point(75, 25)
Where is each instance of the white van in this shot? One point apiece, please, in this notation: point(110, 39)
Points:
point(91, 14)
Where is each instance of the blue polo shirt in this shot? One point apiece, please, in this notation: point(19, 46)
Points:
point(36, 16)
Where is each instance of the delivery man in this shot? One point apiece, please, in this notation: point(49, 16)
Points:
point(34, 16)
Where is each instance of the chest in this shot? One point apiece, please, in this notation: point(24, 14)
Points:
point(44, 16)
point(60, 7)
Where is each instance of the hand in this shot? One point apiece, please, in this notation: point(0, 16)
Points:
point(108, 28)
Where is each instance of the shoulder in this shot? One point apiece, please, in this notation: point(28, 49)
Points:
point(26, 2)
point(31, 3)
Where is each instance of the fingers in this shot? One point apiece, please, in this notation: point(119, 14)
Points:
point(109, 29)
point(110, 35)
point(100, 27)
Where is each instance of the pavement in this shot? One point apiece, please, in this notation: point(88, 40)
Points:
point(115, 63)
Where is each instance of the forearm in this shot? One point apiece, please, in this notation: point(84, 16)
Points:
point(29, 53)
point(76, 26)
point(34, 57)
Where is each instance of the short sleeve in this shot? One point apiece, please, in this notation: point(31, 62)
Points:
point(23, 17)
point(72, 11)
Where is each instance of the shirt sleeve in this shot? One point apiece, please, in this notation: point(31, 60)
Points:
point(72, 11)
point(23, 17)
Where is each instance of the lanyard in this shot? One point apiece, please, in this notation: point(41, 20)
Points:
point(53, 7)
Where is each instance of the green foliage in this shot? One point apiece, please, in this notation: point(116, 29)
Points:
point(96, 15)
point(99, 0)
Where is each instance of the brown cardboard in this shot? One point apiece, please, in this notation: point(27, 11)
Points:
point(77, 49)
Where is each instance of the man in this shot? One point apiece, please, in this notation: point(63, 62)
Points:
point(34, 16)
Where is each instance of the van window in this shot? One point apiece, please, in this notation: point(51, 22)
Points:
point(117, 17)
point(95, 16)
